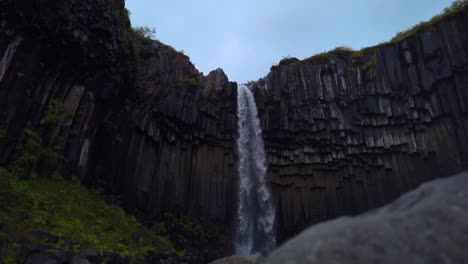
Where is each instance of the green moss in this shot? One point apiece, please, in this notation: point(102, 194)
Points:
point(76, 216)
point(288, 60)
point(183, 230)
point(366, 58)
point(360, 54)
point(129, 34)
point(250, 82)
point(193, 81)
point(34, 155)
point(129, 37)
point(455, 9)
point(145, 32)
point(9, 252)
point(56, 109)
point(371, 63)
point(324, 57)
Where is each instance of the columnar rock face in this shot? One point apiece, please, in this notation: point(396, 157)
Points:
point(176, 148)
point(349, 132)
point(343, 133)
point(127, 113)
point(63, 64)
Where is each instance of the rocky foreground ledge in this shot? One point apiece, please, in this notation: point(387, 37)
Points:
point(427, 225)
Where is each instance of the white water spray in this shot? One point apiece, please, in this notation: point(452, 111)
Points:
point(255, 212)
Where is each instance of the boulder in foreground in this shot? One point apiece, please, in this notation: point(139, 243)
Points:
point(427, 225)
point(253, 259)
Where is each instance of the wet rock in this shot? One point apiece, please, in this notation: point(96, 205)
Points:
point(29, 249)
point(24, 215)
point(40, 259)
point(91, 254)
point(78, 259)
point(427, 225)
point(253, 259)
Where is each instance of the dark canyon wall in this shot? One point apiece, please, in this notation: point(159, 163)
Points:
point(346, 132)
point(64, 65)
point(176, 147)
point(114, 109)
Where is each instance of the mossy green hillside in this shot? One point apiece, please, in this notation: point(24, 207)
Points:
point(324, 57)
point(75, 216)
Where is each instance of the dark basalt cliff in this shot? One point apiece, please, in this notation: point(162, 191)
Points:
point(174, 150)
point(344, 132)
point(349, 131)
point(64, 66)
point(135, 116)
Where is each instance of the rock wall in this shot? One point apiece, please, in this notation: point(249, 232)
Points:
point(346, 132)
point(63, 64)
point(126, 113)
point(176, 152)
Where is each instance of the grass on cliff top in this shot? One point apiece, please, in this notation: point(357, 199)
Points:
point(76, 217)
point(457, 8)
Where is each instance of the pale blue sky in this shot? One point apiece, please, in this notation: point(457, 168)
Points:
point(246, 37)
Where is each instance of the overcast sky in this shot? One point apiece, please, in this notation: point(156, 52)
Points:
point(245, 37)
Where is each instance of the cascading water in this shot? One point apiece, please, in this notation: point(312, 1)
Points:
point(255, 212)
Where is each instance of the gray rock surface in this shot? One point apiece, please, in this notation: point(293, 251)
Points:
point(253, 259)
point(40, 259)
point(428, 225)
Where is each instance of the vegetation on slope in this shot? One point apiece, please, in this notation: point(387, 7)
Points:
point(55, 215)
point(59, 215)
point(325, 56)
point(455, 9)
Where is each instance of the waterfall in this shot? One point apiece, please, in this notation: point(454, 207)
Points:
point(255, 212)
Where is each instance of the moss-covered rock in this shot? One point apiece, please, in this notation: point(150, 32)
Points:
point(63, 216)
